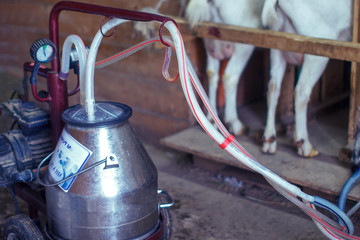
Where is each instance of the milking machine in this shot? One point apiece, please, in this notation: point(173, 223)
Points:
point(98, 181)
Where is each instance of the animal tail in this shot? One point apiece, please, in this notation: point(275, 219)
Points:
point(197, 11)
point(270, 16)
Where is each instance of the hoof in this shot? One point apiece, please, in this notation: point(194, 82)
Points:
point(238, 129)
point(312, 153)
point(304, 151)
point(268, 152)
point(269, 145)
point(243, 131)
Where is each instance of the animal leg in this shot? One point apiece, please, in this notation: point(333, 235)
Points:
point(233, 71)
point(312, 69)
point(212, 70)
point(278, 67)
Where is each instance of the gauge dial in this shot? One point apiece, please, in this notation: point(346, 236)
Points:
point(44, 53)
point(43, 50)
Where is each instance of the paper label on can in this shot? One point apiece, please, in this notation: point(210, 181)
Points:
point(69, 157)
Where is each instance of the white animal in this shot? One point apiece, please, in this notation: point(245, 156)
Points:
point(147, 29)
point(329, 19)
point(245, 13)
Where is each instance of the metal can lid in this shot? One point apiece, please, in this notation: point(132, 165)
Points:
point(106, 113)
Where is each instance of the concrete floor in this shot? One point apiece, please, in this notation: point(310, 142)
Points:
point(209, 207)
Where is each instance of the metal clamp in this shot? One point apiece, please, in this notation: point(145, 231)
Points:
point(166, 196)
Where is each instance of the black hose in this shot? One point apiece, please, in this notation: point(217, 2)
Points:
point(14, 198)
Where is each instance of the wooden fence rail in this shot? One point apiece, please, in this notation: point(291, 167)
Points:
point(341, 50)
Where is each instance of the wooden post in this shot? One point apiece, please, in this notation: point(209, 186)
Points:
point(355, 79)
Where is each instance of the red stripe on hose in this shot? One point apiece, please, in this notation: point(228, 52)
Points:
point(227, 141)
point(206, 105)
point(187, 89)
point(126, 51)
point(332, 228)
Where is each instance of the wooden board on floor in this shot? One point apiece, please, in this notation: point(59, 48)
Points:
point(318, 173)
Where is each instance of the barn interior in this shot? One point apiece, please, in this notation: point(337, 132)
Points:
point(215, 196)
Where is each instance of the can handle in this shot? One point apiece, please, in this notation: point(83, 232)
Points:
point(41, 182)
point(170, 202)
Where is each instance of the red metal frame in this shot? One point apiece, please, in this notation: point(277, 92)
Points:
point(57, 88)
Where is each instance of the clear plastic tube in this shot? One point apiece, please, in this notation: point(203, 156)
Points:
point(189, 81)
point(124, 54)
point(90, 65)
point(327, 226)
point(353, 209)
point(186, 85)
point(343, 218)
point(326, 232)
point(205, 99)
point(219, 138)
point(65, 63)
point(166, 65)
point(303, 206)
point(234, 148)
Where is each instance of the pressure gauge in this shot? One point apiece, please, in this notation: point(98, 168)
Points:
point(43, 50)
